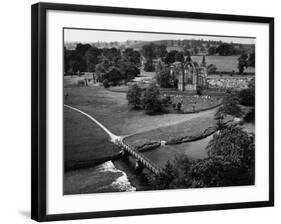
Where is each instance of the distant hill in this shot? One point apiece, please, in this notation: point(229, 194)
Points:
point(179, 45)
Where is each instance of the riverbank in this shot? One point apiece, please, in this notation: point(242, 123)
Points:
point(138, 180)
point(99, 179)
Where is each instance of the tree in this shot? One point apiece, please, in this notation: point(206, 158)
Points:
point(247, 97)
point(251, 60)
point(175, 175)
point(219, 119)
point(74, 65)
point(102, 67)
point(151, 100)
point(212, 50)
point(134, 96)
point(148, 51)
point(242, 62)
point(170, 57)
point(231, 104)
point(128, 69)
point(186, 52)
point(225, 49)
point(92, 58)
point(160, 51)
point(202, 49)
point(82, 48)
point(132, 56)
point(196, 50)
point(74, 62)
point(234, 150)
point(148, 66)
point(113, 75)
point(112, 54)
point(230, 162)
point(179, 57)
point(164, 78)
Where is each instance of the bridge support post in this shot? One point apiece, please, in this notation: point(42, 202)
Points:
point(125, 154)
point(138, 166)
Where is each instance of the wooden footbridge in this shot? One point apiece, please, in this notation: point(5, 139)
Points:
point(141, 160)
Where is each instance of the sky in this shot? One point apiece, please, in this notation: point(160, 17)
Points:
point(90, 36)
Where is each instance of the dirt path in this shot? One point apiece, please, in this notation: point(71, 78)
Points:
point(112, 136)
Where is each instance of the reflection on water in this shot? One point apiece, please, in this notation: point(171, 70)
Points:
point(194, 149)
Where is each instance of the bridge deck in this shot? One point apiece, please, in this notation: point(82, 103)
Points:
point(139, 156)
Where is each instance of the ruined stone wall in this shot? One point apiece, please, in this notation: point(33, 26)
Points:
point(228, 82)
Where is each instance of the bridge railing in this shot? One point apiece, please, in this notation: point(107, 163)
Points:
point(147, 162)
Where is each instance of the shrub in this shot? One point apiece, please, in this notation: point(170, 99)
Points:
point(81, 82)
point(219, 119)
point(211, 68)
point(166, 100)
point(179, 104)
point(199, 90)
point(105, 83)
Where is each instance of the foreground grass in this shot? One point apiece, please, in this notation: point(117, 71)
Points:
point(85, 143)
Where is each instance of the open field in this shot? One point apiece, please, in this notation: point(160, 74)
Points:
point(223, 63)
point(85, 143)
point(111, 109)
point(196, 125)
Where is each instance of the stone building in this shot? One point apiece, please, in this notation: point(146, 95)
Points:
point(189, 75)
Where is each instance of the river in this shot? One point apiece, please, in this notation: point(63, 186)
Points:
point(160, 156)
point(120, 175)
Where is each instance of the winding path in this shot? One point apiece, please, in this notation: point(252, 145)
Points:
point(112, 136)
point(118, 140)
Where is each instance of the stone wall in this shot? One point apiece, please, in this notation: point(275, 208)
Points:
point(228, 82)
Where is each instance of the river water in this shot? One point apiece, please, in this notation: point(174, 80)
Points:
point(120, 174)
point(160, 156)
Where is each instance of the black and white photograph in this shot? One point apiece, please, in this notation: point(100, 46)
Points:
point(148, 111)
point(139, 111)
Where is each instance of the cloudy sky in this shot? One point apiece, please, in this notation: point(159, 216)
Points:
point(88, 36)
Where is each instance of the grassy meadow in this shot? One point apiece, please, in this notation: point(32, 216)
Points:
point(223, 63)
point(85, 143)
point(112, 110)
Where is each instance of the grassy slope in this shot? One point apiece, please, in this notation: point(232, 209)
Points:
point(85, 143)
point(194, 126)
point(111, 109)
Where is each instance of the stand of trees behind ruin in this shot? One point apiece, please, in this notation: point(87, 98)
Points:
point(120, 63)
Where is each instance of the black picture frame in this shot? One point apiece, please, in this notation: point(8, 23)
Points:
point(39, 122)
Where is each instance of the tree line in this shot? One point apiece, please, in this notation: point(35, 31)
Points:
point(109, 65)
